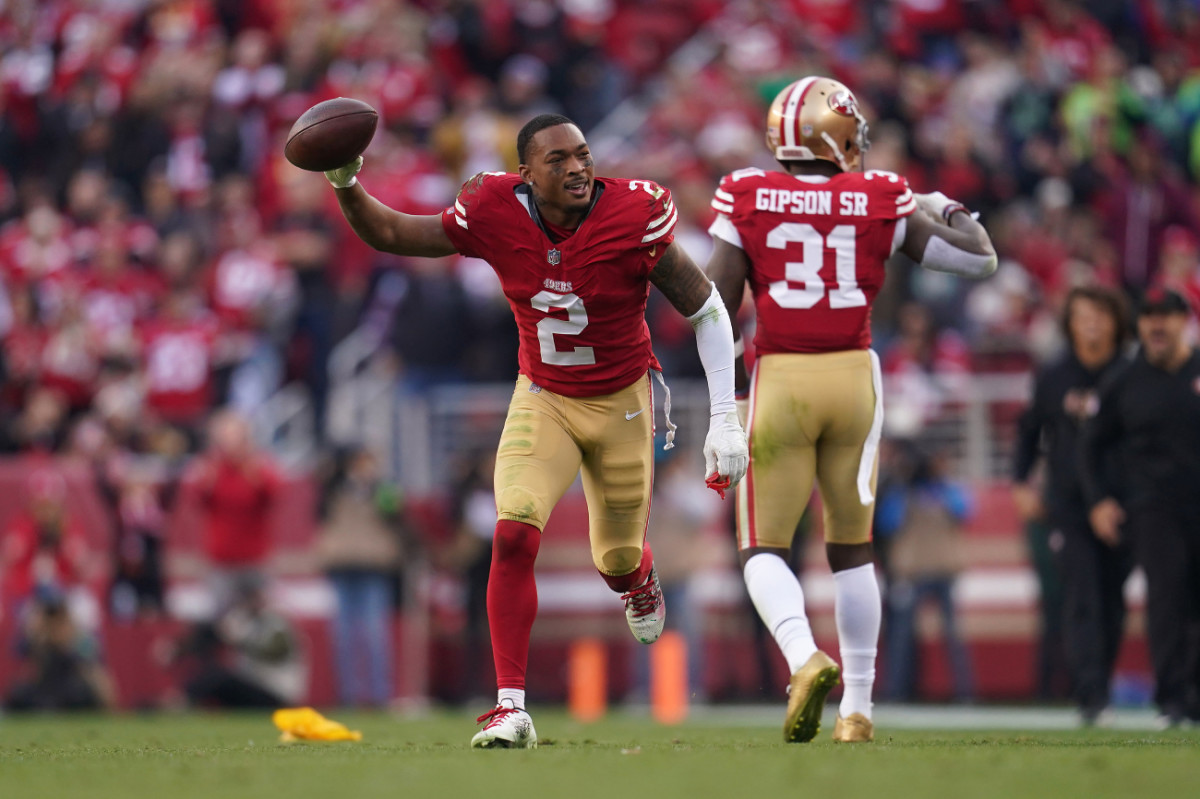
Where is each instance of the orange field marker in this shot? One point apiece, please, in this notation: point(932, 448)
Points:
point(587, 679)
point(668, 679)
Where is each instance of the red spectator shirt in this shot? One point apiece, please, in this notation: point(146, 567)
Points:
point(237, 499)
point(137, 236)
point(31, 565)
point(113, 305)
point(25, 259)
point(948, 354)
point(178, 358)
point(832, 17)
point(23, 345)
point(241, 282)
point(70, 364)
point(817, 249)
point(580, 303)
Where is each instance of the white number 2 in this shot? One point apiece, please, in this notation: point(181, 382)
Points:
point(807, 272)
point(573, 325)
point(646, 186)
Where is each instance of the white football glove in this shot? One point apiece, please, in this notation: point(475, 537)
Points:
point(344, 176)
point(726, 454)
point(938, 205)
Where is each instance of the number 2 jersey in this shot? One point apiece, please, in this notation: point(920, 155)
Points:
point(580, 302)
point(817, 248)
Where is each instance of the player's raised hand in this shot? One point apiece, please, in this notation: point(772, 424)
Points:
point(345, 176)
point(726, 454)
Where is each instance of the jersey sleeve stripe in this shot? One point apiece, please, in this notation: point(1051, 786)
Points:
point(662, 231)
point(668, 212)
point(459, 207)
point(724, 195)
point(462, 223)
point(904, 198)
point(724, 208)
point(907, 208)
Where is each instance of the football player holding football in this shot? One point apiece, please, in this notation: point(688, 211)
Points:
point(576, 255)
point(812, 241)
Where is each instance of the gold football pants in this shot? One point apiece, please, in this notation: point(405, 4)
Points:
point(549, 438)
point(812, 417)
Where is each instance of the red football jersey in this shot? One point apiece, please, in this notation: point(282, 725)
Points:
point(817, 248)
point(178, 357)
point(113, 305)
point(580, 304)
point(242, 282)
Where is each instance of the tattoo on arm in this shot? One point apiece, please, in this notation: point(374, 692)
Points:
point(680, 280)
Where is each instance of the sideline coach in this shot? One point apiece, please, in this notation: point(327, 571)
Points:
point(1150, 413)
point(1093, 570)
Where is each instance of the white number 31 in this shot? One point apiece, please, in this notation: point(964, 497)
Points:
point(807, 272)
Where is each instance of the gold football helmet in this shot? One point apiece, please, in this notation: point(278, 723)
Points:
point(817, 118)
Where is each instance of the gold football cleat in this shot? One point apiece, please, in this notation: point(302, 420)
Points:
point(809, 686)
point(854, 729)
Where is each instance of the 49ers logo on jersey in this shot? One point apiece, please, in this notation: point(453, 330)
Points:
point(843, 102)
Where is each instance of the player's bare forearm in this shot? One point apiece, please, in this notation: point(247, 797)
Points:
point(681, 281)
point(727, 268)
point(975, 236)
point(388, 230)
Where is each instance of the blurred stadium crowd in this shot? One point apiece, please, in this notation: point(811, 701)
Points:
point(159, 259)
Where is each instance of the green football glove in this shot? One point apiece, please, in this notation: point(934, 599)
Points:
point(344, 176)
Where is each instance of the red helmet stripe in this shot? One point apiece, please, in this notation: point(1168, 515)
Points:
point(789, 123)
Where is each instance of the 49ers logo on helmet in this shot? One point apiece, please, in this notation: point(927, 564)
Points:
point(843, 102)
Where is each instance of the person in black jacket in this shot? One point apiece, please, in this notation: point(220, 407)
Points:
point(1149, 412)
point(1093, 570)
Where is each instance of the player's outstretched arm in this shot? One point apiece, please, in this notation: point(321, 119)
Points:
point(676, 275)
point(941, 235)
point(384, 228)
point(728, 268)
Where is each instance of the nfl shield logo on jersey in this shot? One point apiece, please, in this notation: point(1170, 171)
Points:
point(554, 256)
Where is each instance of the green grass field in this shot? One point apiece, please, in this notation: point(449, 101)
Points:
point(178, 757)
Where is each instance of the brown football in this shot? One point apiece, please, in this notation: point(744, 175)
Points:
point(331, 134)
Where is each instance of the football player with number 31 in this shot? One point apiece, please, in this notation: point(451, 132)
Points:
point(576, 255)
point(812, 241)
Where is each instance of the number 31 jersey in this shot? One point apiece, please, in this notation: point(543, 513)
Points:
point(580, 303)
point(817, 248)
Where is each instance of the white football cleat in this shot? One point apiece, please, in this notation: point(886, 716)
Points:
point(645, 609)
point(508, 727)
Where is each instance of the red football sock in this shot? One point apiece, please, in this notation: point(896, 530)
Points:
point(512, 599)
point(623, 583)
